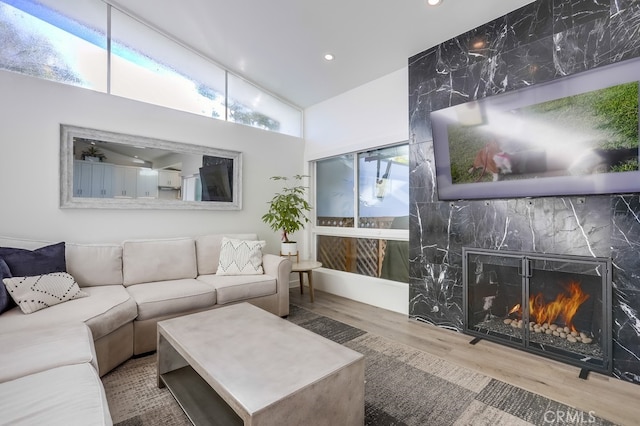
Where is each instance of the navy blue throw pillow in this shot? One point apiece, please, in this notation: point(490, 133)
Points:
point(27, 263)
point(6, 302)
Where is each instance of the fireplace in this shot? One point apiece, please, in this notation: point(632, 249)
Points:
point(555, 306)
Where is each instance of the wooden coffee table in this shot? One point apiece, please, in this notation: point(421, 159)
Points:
point(240, 365)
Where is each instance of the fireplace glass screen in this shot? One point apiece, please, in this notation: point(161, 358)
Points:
point(556, 306)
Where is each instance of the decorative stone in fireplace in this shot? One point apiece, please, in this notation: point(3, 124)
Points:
point(555, 306)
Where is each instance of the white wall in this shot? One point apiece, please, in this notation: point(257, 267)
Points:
point(32, 111)
point(372, 115)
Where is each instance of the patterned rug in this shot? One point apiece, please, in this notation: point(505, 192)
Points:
point(404, 386)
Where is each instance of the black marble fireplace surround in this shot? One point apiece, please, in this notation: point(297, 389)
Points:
point(543, 41)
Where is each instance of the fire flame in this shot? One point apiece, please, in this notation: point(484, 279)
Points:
point(515, 309)
point(564, 306)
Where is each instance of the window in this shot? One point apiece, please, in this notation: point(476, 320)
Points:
point(334, 191)
point(383, 188)
point(68, 47)
point(66, 41)
point(147, 66)
point(375, 185)
point(388, 259)
point(251, 106)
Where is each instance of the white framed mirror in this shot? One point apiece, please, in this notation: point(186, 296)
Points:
point(102, 169)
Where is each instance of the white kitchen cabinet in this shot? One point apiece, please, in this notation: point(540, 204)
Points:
point(101, 180)
point(147, 183)
point(169, 179)
point(125, 181)
point(92, 179)
point(81, 179)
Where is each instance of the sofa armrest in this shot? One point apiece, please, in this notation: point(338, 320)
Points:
point(279, 267)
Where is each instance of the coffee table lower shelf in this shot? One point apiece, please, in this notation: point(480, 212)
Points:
point(202, 405)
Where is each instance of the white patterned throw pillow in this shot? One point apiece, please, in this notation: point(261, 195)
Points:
point(41, 291)
point(240, 257)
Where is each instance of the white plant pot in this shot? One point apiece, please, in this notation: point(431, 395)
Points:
point(290, 248)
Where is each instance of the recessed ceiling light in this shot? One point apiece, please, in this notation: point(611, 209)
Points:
point(328, 57)
point(434, 2)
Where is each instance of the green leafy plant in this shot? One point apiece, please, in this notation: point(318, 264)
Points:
point(92, 151)
point(288, 208)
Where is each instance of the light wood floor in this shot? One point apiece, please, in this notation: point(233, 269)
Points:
point(607, 397)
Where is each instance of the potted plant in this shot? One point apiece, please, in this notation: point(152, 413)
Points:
point(92, 153)
point(287, 212)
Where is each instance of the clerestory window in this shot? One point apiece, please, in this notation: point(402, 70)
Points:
point(93, 45)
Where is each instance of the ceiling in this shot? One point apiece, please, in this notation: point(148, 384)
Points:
point(279, 44)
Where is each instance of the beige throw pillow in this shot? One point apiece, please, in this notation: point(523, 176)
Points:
point(42, 291)
point(240, 257)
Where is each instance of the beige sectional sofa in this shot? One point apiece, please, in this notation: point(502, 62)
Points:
point(133, 285)
point(49, 376)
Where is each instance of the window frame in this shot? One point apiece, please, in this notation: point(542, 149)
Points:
point(356, 231)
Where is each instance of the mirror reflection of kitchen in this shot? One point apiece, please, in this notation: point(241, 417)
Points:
point(113, 170)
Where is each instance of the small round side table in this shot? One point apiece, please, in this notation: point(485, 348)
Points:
point(307, 266)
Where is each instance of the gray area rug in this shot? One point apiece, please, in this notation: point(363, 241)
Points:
point(404, 386)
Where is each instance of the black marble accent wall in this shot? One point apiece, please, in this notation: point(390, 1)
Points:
point(543, 41)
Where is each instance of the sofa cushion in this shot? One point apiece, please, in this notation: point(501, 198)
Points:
point(68, 395)
point(24, 263)
point(234, 288)
point(146, 261)
point(43, 291)
point(95, 264)
point(156, 299)
point(44, 348)
point(6, 302)
point(240, 257)
point(208, 250)
point(106, 309)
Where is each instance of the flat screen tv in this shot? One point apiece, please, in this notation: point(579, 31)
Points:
point(216, 176)
point(576, 135)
